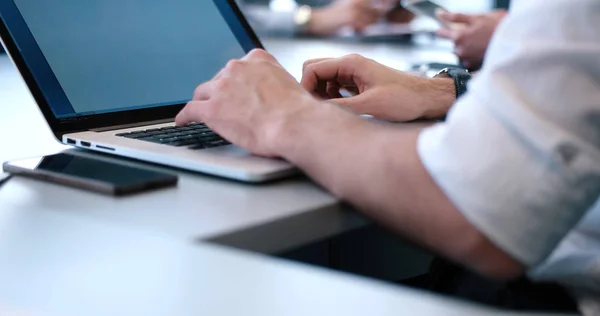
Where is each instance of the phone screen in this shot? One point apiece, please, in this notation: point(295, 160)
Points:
point(425, 8)
point(116, 177)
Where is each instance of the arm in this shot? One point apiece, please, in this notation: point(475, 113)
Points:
point(518, 155)
point(496, 187)
point(378, 170)
point(373, 166)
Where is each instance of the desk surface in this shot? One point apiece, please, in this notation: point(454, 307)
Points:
point(56, 264)
point(293, 53)
point(267, 218)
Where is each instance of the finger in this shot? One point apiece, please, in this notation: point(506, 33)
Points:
point(451, 34)
point(203, 91)
point(313, 61)
point(261, 55)
point(340, 70)
point(446, 33)
point(357, 104)
point(450, 17)
point(333, 90)
point(191, 113)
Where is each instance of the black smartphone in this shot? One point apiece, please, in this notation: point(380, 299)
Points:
point(89, 173)
point(424, 7)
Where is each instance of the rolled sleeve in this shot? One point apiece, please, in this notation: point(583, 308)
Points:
point(519, 153)
point(523, 202)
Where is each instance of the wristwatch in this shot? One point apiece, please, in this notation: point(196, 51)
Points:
point(302, 17)
point(460, 76)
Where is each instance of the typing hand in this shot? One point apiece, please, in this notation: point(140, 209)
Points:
point(377, 90)
point(249, 102)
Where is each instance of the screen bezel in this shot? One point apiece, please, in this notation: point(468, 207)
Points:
point(62, 126)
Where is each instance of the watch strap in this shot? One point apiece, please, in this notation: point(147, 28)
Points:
point(461, 79)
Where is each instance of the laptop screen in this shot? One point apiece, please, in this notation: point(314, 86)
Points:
point(93, 57)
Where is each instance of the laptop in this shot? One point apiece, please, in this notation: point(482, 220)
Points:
point(111, 75)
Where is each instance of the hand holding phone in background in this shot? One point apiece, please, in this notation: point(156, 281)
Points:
point(355, 14)
point(472, 37)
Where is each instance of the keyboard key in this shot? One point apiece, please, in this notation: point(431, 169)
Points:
point(217, 143)
point(169, 128)
point(140, 135)
point(150, 139)
point(197, 147)
point(185, 142)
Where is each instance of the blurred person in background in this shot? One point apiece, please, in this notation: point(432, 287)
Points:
point(471, 34)
point(320, 17)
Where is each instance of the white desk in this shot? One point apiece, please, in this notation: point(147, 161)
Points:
point(266, 218)
point(56, 264)
point(293, 53)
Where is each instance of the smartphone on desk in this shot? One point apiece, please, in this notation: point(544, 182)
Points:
point(93, 174)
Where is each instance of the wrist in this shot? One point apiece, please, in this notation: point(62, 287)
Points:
point(284, 129)
point(300, 133)
point(441, 95)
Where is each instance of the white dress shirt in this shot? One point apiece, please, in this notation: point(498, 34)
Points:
point(520, 153)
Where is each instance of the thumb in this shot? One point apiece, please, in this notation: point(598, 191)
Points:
point(358, 104)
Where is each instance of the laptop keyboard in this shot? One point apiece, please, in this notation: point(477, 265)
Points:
point(195, 136)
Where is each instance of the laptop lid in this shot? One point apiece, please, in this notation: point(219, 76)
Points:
point(94, 64)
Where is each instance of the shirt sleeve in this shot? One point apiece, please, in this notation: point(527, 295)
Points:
point(519, 154)
point(267, 22)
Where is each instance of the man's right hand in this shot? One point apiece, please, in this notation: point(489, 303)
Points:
point(357, 14)
point(378, 90)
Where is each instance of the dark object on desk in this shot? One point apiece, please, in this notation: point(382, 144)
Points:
point(4, 177)
point(502, 4)
point(93, 174)
point(521, 294)
point(386, 38)
point(424, 8)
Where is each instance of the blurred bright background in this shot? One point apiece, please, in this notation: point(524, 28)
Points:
point(466, 6)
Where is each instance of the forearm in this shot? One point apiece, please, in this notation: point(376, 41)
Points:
point(376, 168)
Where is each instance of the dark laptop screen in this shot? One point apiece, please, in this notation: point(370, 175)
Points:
point(92, 57)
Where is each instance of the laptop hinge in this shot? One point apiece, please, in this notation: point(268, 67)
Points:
point(124, 126)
